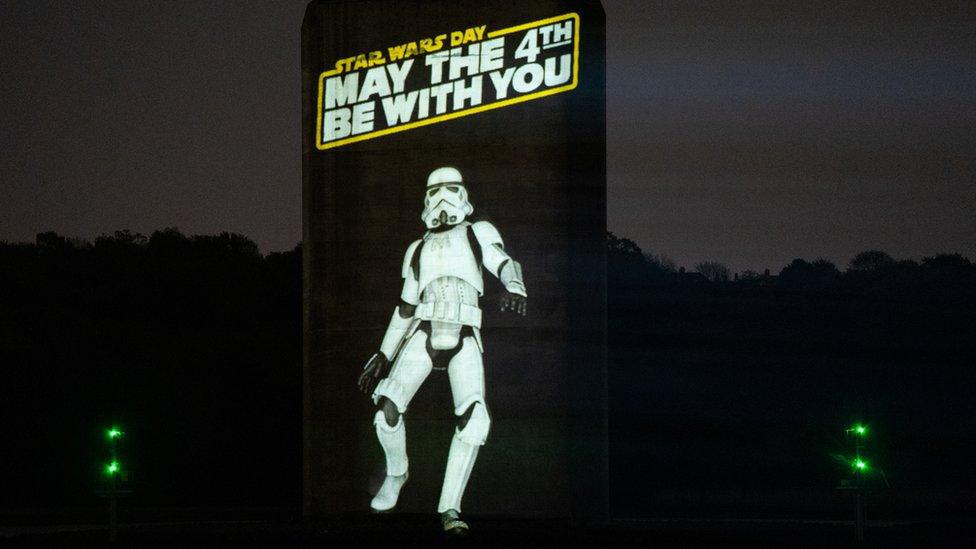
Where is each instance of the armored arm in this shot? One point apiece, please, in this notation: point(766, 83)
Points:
point(500, 264)
point(409, 298)
point(377, 367)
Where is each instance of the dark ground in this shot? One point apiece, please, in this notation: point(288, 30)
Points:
point(368, 531)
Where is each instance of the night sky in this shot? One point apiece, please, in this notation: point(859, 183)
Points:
point(748, 133)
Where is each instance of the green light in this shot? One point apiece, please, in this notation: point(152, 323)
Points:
point(112, 468)
point(860, 465)
point(113, 433)
point(859, 430)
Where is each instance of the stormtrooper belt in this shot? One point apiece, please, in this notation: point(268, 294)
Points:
point(445, 311)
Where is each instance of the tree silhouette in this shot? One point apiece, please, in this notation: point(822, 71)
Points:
point(714, 271)
point(626, 261)
point(749, 274)
point(804, 274)
point(661, 262)
point(871, 260)
point(622, 246)
point(947, 262)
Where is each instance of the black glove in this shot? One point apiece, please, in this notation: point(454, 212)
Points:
point(513, 302)
point(376, 369)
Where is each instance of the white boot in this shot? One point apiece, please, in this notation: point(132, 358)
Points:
point(394, 443)
point(386, 498)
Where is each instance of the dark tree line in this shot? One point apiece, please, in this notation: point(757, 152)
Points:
point(193, 344)
point(745, 381)
point(878, 305)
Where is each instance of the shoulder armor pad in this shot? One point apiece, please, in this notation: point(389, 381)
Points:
point(411, 257)
point(487, 234)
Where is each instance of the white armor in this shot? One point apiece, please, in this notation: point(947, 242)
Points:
point(393, 439)
point(448, 303)
point(447, 281)
point(442, 278)
point(449, 253)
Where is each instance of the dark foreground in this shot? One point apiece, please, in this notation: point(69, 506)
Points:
point(395, 530)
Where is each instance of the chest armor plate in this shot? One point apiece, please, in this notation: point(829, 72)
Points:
point(449, 253)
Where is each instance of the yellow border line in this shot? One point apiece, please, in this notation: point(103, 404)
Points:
point(458, 114)
point(533, 24)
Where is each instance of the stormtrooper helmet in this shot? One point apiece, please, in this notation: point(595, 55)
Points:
point(446, 199)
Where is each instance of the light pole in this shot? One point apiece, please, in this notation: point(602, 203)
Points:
point(860, 467)
point(115, 475)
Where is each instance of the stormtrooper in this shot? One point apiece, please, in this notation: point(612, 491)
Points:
point(437, 326)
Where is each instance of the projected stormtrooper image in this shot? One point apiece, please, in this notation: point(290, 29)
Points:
point(437, 326)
